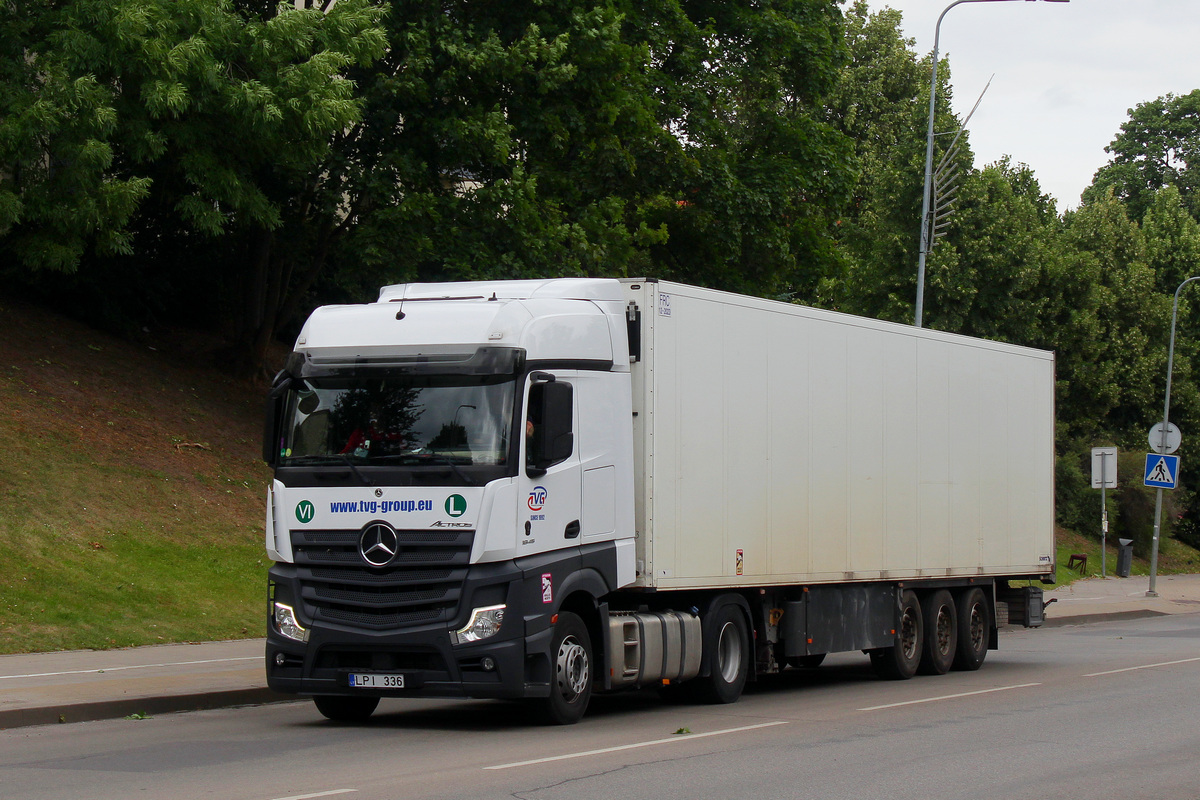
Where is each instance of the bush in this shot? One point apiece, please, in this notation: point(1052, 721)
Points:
point(1076, 504)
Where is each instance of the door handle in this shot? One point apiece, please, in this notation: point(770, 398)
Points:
point(572, 531)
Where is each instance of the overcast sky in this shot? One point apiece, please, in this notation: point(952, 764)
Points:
point(1066, 74)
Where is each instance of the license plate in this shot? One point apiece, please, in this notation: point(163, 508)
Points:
point(372, 680)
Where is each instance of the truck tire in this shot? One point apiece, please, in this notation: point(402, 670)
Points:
point(941, 634)
point(571, 667)
point(899, 662)
point(974, 630)
point(345, 709)
point(727, 638)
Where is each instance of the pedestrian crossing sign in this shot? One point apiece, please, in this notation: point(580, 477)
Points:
point(1162, 471)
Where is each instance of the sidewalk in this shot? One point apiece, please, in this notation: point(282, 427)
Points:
point(80, 685)
point(1096, 599)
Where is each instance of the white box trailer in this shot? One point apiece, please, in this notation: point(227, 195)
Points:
point(544, 489)
point(782, 444)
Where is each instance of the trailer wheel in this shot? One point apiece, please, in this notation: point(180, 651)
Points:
point(899, 661)
point(345, 709)
point(974, 630)
point(571, 683)
point(941, 634)
point(728, 640)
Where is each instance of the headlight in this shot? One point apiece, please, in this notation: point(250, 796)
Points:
point(484, 622)
point(285, 623)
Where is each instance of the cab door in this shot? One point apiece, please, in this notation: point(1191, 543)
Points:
point(548, 515)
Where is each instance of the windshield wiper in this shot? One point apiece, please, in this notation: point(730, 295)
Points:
point(462, 476)
point(346, 460)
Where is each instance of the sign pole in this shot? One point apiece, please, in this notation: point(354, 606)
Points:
point(1154, 548)
point(1103, 519)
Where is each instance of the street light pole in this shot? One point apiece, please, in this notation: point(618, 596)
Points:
point(926, 233)
point(1162, 446)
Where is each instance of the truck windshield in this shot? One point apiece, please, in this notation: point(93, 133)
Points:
point(405, 420)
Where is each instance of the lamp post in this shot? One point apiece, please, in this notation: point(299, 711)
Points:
point(1163, 444)
point(454, 423)
point(926, 233)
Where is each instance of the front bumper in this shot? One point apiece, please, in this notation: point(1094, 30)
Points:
point(514, 663)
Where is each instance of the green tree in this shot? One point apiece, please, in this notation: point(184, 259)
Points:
point(676, 138)
point(209, 123)
point(765, 175)
point(1159, 145)
point(1172, 239)
point(996, 274)
point(881, 101)
point(1112, 357)
point(57, 190)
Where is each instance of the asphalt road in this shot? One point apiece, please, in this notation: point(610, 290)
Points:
point(1108, 710)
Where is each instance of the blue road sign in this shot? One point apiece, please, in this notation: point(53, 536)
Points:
point(1162, 471)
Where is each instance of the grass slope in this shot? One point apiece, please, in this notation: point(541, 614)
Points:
point(131, 494)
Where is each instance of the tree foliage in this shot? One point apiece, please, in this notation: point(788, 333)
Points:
point(1159, 145)
point(232, 163)
point(881, 102)
point(265, 156)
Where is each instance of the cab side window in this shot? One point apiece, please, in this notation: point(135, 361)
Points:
point(548, 426)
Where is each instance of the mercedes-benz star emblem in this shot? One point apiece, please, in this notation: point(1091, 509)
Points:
point(378, 544)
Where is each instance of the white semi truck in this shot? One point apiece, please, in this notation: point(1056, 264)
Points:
point(547, 489)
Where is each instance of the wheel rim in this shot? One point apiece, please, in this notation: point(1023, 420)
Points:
point(908, 633)
point(572, 668)
point(978, 626)
point(945, 630)
point(729, 652)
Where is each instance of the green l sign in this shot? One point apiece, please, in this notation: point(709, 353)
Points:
point(456, 505)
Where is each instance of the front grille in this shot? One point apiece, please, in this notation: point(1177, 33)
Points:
point(421, 585)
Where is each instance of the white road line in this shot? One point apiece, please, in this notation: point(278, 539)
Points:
point(950, 696)
point(317, 794)
point(672, 740)
point(1143, 666)
point(135, 666)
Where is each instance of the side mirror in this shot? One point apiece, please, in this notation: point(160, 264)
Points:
point(272, 439)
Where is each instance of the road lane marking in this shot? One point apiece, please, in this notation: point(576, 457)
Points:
point(672, 740)
point(950, 696)
point(133, 666)
point(1143, 666)
point(330, 793)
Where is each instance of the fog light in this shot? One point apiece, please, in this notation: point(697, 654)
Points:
point(280, 659)
point(488, 663)
point(285, 623)
point(484, 622)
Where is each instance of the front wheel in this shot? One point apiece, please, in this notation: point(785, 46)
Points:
point(345, 709)
point(571, 661)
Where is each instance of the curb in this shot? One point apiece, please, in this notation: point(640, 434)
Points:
point(116, 709)
point(1083, 619)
